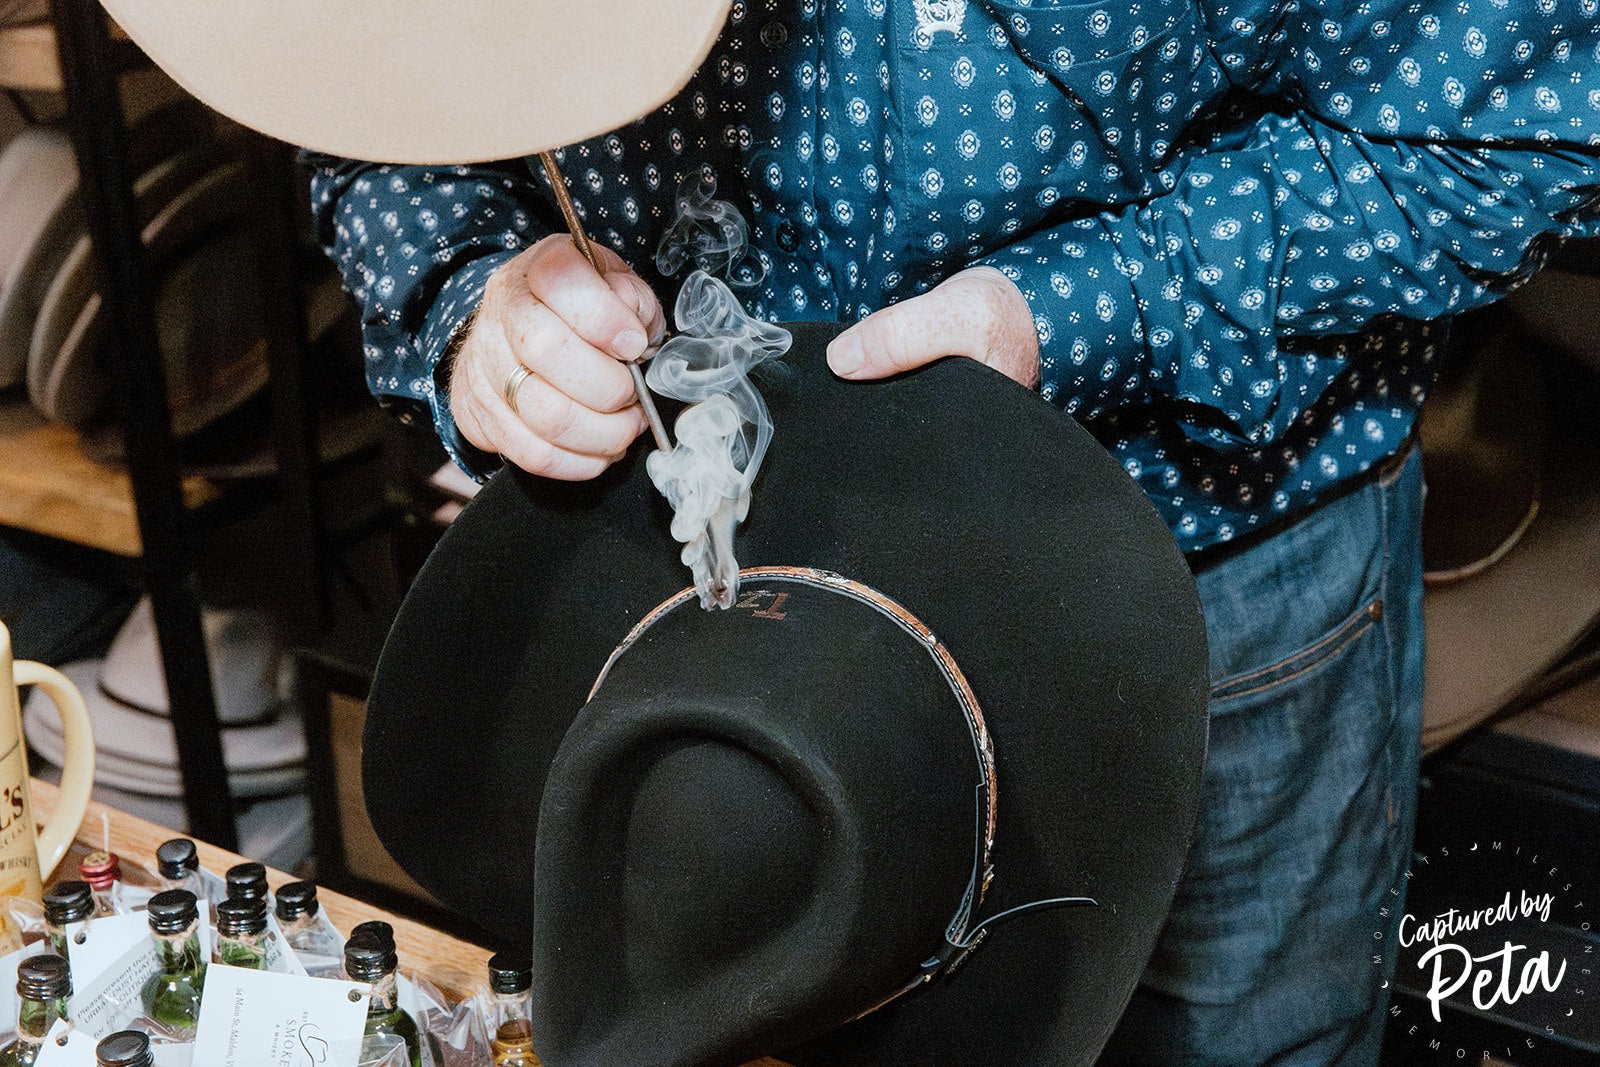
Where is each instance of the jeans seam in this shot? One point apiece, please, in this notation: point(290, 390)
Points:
point(1330, 637)
point(1386, 504)
point(1344, 636)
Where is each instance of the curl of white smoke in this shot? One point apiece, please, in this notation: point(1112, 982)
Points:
point(722, 438)
point(709, 234)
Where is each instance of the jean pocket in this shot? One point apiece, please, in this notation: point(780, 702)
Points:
point(1297, 829)
point(1307, 658)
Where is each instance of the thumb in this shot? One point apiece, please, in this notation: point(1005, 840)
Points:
point(901, 337)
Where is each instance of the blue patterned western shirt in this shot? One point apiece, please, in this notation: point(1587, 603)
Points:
point(1233, 219)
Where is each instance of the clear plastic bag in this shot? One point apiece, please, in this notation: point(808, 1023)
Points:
point(318, 946)
point(126, 897)
point(21, 922)
point(453, 1035)
point(379, 1050)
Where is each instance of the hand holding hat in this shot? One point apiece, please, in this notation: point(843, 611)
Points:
point(978, 313)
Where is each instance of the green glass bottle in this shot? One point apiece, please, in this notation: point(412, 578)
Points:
point(367, 959)
point(510, 1017)
point(66, 903)
point(298, 912)
point(310, 935)
point(127, 1048)
point(242, 933)
point(43, 985)
point(171, 996)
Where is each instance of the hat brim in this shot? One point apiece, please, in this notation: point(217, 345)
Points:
point(1493, 635)
point(138, 751)
point(990, 516)
point(420, 83)
point(38, 187)
point(188, 208)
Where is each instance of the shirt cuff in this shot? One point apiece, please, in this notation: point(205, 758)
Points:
point(1085, 313)
point(457, 299)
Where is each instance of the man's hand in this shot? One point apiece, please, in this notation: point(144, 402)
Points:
point(977, 313)
point(547, 310)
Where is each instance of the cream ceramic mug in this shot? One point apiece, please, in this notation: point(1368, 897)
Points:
point(28, 857)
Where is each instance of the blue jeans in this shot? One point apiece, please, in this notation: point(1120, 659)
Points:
point(1310, 796)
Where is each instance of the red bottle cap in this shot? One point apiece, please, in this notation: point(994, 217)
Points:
point(100, 869)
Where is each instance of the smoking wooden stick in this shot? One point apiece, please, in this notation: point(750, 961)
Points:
point(552, 170)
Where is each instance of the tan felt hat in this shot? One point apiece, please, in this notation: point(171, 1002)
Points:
point(415, 82)
point(38, 221)
point(195, 236)
point(1497, 625)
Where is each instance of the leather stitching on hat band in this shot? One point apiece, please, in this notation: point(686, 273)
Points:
point(957, 942)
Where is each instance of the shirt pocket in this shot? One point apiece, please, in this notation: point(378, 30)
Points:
point(1129, 78)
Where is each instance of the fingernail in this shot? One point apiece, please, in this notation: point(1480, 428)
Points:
point(630, 344)
point(845, 354)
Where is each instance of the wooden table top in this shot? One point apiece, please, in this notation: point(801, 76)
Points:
point(455, 967)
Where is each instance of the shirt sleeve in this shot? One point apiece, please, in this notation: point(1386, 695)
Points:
point(416, 246)
point(1413, 181)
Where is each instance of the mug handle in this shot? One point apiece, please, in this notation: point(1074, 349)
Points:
point(77, 778)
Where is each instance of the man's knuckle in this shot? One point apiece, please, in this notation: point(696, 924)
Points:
point(616, 392)
point(555, 415)
point(541, 340)
point(891, 341)
point(532, 454)
point(619, 435)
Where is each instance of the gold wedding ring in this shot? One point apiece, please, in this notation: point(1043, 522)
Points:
point(512, 384)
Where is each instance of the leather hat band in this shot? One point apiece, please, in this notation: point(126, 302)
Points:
point(961, 935)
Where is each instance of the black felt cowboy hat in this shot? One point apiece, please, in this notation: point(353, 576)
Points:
point(965, 674)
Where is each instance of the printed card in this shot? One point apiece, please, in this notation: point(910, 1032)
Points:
point(280, 957)
point(96, 944)
point(173, 1054)
point(66, 1046)
point(262, 1019)
point(107, 1002)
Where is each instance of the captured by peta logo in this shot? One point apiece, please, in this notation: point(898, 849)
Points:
point(1493, 956)
point(1496, 977)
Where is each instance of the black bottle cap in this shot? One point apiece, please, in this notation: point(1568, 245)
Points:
point(367, 960)
point(296, 900)
point(237, 917)
point(510, 972)
point(176, 858)
point(44, 977)
point(247, 881)
point(68, 902)
point(374, 930)
point(128, 1048)
point(172, 912)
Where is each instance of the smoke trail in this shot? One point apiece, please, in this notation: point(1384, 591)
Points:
point(722, 438)
point(710, 234)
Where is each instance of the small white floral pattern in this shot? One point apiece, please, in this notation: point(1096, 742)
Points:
point(1231, 291)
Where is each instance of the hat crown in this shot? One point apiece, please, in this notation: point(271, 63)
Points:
point(784, 796)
